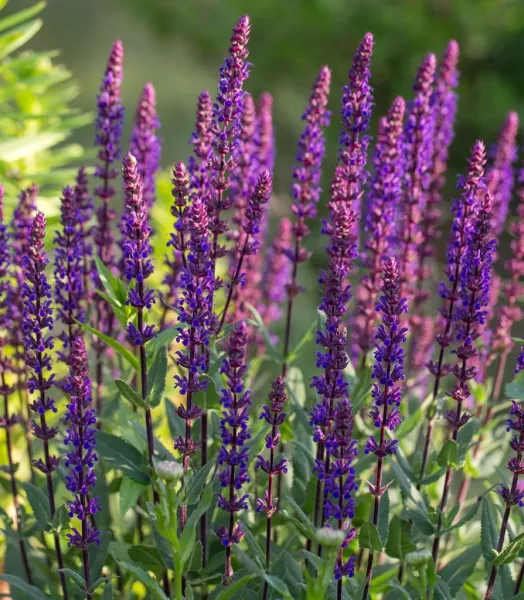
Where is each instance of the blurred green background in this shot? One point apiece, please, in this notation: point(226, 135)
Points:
point(179, 45)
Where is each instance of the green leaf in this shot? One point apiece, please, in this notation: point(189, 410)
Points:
point(130, 491)
point(17, 37)
point(130, 394)
point(399, 540)
point(254, 546)
point(40, 504)
point(383, 518)
point(150, 583)
point(511, 551)
point(302, 518)
point(458, 571)
point(515, 390)
point(164, 547)
point(162, 340)
point(195, 561)
point(369, 537)
point(442, 590)
point(108, 592)
point(157, 378)
point(231, 590)
point(187, 538)
point(448, 456)
point(470, 514)
point(17, 583)
point(261, 326)
point(278, 585)
point(98, 554)
point(21, 16)
point(464, 438)
point(488, 531)
point(119, 348)
point(122, 456)
point(146, 557)
point(197, 482)
point(76, 577)
point(308, 336)
point(114, 287)
point(402, 593)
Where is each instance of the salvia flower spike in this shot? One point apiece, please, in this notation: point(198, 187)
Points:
point(513, 495)
point(108, 135)
point(226, 129)
point(85, 211)
point(382, 206)
point(520, 361)
point(387, 373)
point(144, 144)
point(201, 140)
point(475, 281)
point(7, 419)
point(138, 267)
point(274, 415)
point(37, 324)
point(81, 457)
point(233, 454)
point(69, 255)
point(464, 208)
point(306, 187)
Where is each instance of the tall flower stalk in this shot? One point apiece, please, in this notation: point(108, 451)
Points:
point(233, 456)
point(226, 129)
point(7, 419)
point(306, 188)
point(470, 316)
point(514, 495)
point(274, 415)
point(464, 209)
point(69, 283)
point(197, 285)
point(144, 144)
point(110, 116)
point(387, 371)
point(249, 243)
point(85, 212)
point(382, 205)
point(341, 230)
point(81, 458)
point(137, 268)
point(38, 342)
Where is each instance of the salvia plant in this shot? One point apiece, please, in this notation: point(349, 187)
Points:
point(161, 436)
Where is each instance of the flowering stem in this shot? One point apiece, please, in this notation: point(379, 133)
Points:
point(14, 487)
point(504, 525)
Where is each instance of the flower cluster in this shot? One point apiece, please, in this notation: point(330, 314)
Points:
point(520, 361)
point(500, 174)
point(144, 144)
point(226, 128)
point(69, 256)
point(137, 250)
point(81, 458)
point(233, 456)
point(195, 316)
point(201, 140)
point(110, 116)
point(273, 415)
point(515, 495)
point(85, 210)
point(388, 368)
point(382, 206)
point(38, 342)
point(475, 280)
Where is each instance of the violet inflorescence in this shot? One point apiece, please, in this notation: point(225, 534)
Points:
point(232, 456)
point(81, 459)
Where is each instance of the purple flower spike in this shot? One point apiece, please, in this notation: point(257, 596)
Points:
point(382, 205)
point(233, 455)
point(195, 306)
point(500, 174)
point(108, 139)
point(38, 342)
point(85, 210)
point(201, 141)
point(22, 222)
point(137, 250)
point(69, 255)
point(511, 313)
point(179, 239)
point(274, 416)
point(144, 144)
point(226, 128)
point(388, 368)
point(357, 103)
point(80, 440)
point(265, 135)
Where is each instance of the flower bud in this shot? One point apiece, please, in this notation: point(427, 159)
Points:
point(169, 470)
point(330, 538)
